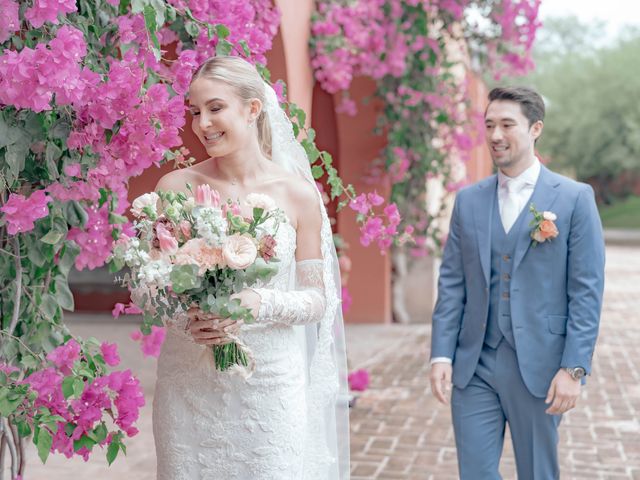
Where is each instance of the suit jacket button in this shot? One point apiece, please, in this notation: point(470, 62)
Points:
point(505, 295)
point(506, 258)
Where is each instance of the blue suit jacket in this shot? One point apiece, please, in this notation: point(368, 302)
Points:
point(556, 286)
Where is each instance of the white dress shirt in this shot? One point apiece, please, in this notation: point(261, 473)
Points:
point(527, 181)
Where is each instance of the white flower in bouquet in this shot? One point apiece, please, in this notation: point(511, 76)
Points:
point(239, 251)
point(260, 200)
point(155, 272)
point(210, 225)
point(146, 205)
point(133, 255)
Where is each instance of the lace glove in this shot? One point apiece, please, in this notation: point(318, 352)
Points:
point(305, 304)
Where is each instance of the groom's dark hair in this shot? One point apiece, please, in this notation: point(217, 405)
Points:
point(531, 103)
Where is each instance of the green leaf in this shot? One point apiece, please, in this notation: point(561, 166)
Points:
point(75, 214)
point(83, 441)
point(224, 47)
point(44, 443)
point(222, 31)
point(112, 452)
point(137, 6)
point(184, 277)
point(67, 257)
point(192, 29)
point(100, 433)
point(245, 47)
point(63, 293)
point(10, 400)
point(150, 21)
point(67, 387)
point(257, 214)
point(78, 387)
point(51, 156)
point(24, 430)
point(317, 171)
point(49, 306)
point(52, 238)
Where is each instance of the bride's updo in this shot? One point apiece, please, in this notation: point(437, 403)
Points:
point(248, 84)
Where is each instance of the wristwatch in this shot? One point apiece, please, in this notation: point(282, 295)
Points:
point(576, 372)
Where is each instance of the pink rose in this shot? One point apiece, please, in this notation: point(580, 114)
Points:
point(267, 247)
point(168, 243)
point(239, 252)
point(207, 197)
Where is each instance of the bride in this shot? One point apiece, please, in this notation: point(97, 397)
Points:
point(289, 420)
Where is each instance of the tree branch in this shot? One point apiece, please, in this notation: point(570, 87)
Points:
point(18, 294)
point(12, 447)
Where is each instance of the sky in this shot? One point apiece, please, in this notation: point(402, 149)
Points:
point(616, 13)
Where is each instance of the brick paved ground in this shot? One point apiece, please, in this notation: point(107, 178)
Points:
point(398, 429)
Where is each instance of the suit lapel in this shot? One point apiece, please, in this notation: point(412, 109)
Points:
point(543, 197)
point(482, 215)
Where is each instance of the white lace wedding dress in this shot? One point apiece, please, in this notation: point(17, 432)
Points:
point(211, 425)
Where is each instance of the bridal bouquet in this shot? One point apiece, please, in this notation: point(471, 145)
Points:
point(193, 250)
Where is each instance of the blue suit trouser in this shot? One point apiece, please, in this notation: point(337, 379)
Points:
point(496, 395)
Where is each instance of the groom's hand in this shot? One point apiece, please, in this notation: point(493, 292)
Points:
point(441, 381)
point(563, 393)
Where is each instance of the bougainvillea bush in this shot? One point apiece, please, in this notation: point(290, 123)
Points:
point(417, 51)
point(91, 95)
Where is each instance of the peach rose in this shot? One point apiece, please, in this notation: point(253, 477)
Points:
point(239, 251)
point(198, 252)
point(548, 229)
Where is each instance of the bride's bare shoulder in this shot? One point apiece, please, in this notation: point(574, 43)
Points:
point(303, 197)
point(177, 180)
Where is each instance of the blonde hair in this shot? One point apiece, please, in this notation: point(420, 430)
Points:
point(248, 84)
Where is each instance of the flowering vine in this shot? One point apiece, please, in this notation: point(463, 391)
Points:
point(414, 50)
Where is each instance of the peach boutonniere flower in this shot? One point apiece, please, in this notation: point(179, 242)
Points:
point(543, 226)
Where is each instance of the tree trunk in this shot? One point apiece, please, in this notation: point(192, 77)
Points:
point(399, 261)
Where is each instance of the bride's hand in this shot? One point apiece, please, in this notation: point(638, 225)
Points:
point(249, 299)
point(209, 329)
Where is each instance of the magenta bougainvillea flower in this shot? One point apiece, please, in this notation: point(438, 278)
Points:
point(21, 212)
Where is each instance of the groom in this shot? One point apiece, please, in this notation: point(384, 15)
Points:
point(516, 320)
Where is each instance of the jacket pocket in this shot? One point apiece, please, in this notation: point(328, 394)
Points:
point(557, 324)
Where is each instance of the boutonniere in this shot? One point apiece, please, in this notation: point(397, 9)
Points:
point(543, 226)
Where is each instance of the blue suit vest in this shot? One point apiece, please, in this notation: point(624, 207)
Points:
point(503, 246)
